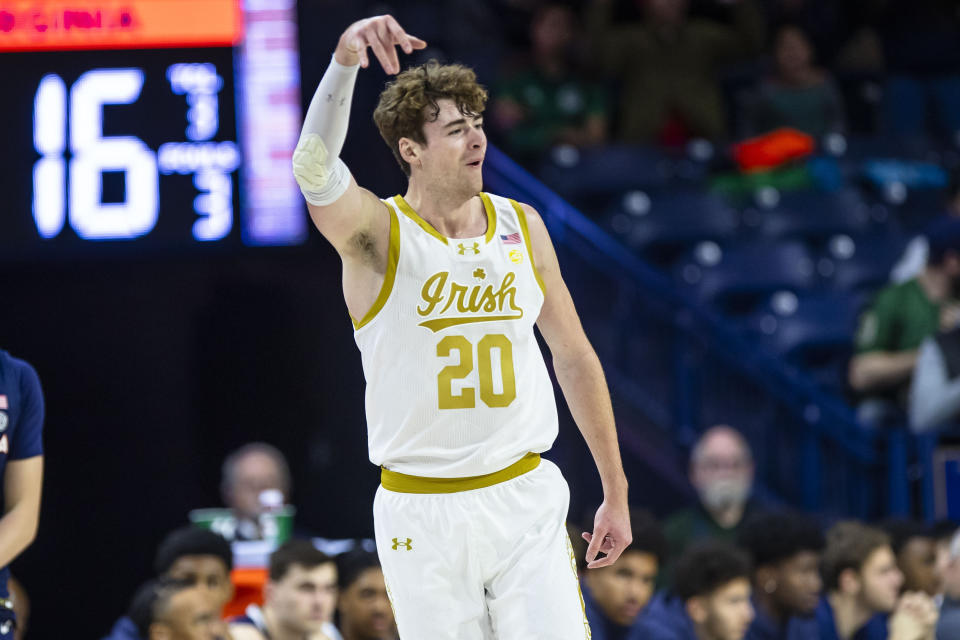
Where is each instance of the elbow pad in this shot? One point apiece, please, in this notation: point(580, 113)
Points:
point(321, 182)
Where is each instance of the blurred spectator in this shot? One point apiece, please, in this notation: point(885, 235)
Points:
point(615, 596)
point(799, 95)
point(193, 556)
point(899, 319)
point(169, 609)
point(786, 552)
point(550, 102)
point(921, 46)
point(299, 598)
point(21, 469)
point(916, 553)
point(863, 584)
point(721, 472)
point(915, 256)
point(255, 477)
point(667, 67)
point(710, 599)
point(943, 532)
point(21, 607)
point(948, 627)
point(363, 606)
point(822, 20)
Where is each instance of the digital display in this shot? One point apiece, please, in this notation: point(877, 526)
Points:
point(131, 125)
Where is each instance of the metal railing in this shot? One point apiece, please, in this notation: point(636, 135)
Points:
point(675, 367)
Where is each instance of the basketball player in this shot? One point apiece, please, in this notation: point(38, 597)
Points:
point(444, 285)
point(21, 470)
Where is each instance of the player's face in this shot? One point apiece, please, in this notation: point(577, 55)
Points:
point(624, 589)
point(918, 561)
point(727, 611)
point(365, 609)
point(191, 615)
point(305, 598)
point(207, 573)
point(799, 583)
point(881, 581)
point(456, 145)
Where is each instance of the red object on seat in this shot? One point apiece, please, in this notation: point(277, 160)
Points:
point(773, 149)
point(248, 589)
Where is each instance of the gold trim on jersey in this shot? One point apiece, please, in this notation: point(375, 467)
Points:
point(393, 256)
point(522, 218)
point(402, 483)
point(491, 216)
point(426, 226)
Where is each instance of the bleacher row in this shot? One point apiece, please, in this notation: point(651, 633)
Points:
point(792, 255)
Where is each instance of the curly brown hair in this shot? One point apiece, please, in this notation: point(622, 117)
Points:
point(411, 100)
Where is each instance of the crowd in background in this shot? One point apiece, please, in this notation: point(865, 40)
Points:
point(727, 567)
point(670, 71)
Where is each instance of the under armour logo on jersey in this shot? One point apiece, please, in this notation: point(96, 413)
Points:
point(462, 249)
point(398, 544)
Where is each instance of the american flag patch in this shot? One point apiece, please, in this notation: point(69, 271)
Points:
point(3, 402)
point(513, 238)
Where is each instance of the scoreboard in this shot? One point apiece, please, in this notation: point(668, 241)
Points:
point(149, 124)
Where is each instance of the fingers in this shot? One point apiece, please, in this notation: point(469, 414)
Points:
point(593, 548)
point(416, 43)
point(382, 34)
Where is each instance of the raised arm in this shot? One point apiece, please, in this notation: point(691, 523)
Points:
point(340, 209)
point(585, 389)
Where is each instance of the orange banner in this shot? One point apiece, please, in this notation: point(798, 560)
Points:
point(49, 25)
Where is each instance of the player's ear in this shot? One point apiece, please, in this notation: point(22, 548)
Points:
point(697, 610)
point(410, 152)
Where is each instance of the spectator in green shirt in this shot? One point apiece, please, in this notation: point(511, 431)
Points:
point(668, 66)
point(902, 316)
point(547, 102)
point(798, 94)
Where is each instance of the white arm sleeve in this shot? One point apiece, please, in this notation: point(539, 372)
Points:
point(321, 174)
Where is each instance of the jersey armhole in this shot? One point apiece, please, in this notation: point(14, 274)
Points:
point(393, 257)
point(522, 219)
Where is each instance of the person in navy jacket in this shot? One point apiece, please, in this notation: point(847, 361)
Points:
point(710, 598)
point(786, 549)
point(21, 470)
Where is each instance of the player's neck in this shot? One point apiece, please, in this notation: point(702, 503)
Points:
point(454, 215)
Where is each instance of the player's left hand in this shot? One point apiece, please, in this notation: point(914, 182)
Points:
point(611, 535)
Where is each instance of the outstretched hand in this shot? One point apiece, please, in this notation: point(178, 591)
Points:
point(611, 535)
point(381, 34)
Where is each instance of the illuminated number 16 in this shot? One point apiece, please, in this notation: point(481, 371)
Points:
point(92, 155)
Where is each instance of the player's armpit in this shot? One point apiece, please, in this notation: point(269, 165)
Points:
point(356, 215)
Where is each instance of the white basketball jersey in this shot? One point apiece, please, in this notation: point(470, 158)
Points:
point(456, 382)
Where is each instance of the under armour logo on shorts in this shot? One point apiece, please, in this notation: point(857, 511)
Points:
point(461, 249)
point(397, 544)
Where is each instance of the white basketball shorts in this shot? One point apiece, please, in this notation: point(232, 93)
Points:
point(485, 562)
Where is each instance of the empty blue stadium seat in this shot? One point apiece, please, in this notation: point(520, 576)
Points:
point(735, 278)
point(661, 224)
point(577, 174)
point(811, 215)
point(814, 331)
point(860, 263)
